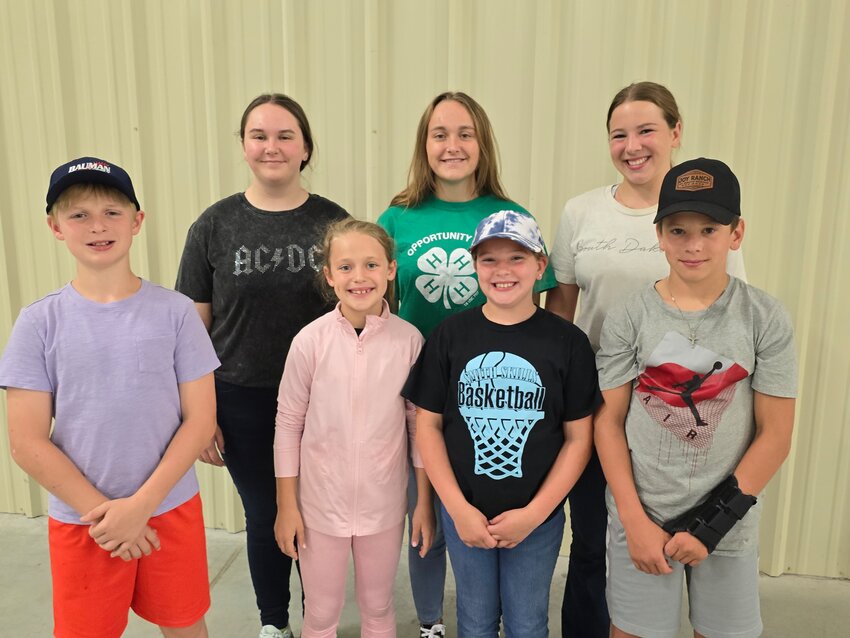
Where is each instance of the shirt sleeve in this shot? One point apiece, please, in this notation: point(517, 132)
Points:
point(428, 381)
point(581, 390)
point(776, 362)
point(562, 257)
point(195, 273)
point(194, 354)
point(410, 410)
point(617, 356)
point(292, 401)
point(24, 364)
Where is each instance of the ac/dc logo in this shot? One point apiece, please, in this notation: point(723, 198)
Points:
point(259, 260)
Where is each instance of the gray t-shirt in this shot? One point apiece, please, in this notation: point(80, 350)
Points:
point(690, 419)
point(610, 250)
point(113, 370)
point(258, 269)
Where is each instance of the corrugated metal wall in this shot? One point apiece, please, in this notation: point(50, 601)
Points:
point(159, 86)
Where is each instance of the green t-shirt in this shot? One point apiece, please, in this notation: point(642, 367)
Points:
point(435, 273)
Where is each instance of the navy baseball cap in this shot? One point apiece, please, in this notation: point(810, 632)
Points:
point(513, 225)
point(704, 186)
point(90, 170)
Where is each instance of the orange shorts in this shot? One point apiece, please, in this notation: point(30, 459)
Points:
point(93, 593)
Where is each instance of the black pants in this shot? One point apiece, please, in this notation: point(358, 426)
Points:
point(246, 418)
point(584, 613)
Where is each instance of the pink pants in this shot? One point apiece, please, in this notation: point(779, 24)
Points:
point(324, 566)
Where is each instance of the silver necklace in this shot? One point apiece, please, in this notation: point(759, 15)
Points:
point(692, 330)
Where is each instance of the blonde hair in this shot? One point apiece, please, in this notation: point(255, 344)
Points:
point(352, 225)
point(77, 191)
point(420, 178)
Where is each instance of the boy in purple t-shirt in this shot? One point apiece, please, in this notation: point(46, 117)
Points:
point(123, 370)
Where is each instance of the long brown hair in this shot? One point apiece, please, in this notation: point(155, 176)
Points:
point(420, 178)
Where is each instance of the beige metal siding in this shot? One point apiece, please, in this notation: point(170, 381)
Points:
point(159, 87)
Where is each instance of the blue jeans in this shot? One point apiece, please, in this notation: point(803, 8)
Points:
point(584, 612)
point(246, 418)
point(427, 575)
point(507, 584)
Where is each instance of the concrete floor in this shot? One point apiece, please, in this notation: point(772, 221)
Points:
point(791, 605)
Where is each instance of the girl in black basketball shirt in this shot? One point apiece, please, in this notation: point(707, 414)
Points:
point(505, 394)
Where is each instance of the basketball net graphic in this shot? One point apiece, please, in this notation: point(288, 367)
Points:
point(500, 430)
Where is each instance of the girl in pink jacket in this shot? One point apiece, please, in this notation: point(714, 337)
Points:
point(341, 447)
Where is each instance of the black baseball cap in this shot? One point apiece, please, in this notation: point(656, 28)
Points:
point(90, 170)
point(704, 186)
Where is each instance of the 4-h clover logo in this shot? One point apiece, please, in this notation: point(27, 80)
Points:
point(448, 276)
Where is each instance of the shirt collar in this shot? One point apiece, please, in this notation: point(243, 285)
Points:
point(373, 322)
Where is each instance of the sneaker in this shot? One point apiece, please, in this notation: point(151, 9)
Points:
point(437, 630)
point(270, 631)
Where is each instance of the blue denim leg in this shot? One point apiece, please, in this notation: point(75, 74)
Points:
point(526, 577)
point(427, 575)
point(477, 579)
point(246, 418)
point(509, 583)
point(584, 613)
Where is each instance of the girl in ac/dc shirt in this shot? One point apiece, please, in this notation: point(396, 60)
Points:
point(246, 259)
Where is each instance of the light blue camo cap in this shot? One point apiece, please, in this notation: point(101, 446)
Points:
point(513, 225)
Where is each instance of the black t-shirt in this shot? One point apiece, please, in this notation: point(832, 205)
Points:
point(259, 271)
point(504, 393)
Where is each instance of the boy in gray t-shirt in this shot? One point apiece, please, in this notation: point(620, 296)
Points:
point(698, 374)
point(122, 371)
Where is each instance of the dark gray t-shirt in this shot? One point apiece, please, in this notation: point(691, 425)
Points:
point(691, 417)
point(258, 269)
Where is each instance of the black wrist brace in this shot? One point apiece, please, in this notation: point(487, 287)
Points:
point(713, 518)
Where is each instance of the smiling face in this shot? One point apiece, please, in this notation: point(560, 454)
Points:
point(273, 145)
point(97, 228)
point(696, 246)
point(641, 143)
point(452, 147)
point(506, 274)
point(358, 270)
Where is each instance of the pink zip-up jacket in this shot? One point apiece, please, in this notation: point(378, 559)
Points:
point(340, 424)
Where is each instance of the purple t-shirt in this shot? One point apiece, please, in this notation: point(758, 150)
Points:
point(113, 370)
